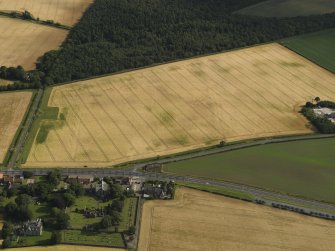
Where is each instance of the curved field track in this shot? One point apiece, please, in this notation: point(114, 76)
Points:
point(66, 12)
point(22, 43)
point(243, 94)
point(202, 221)
point(68, 248)
point(13, 106)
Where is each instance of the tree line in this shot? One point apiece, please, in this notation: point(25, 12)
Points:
point(322, 123)
point(21, 78)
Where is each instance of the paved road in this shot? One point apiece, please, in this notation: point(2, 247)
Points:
point(16, 154)
point(234, 147)
point(256, 192)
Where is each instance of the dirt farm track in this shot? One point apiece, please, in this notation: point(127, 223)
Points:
point(12, 109)
point(202, 221)
point(243, 94)
point(60, 11)
point(22, 43)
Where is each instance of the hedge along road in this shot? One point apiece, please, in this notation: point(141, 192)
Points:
point(233, 147)
point(16, 154)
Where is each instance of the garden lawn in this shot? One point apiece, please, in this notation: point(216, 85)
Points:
point(78, 220)
point(128, 214)
point(98, 239)
point(42, 240)
point(303, 168)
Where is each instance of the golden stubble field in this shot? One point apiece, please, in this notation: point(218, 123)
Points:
point(198, 220)
point(62, 11)
point(22, 43)
point(13, 106)
point(238, 95)
point(68, 248)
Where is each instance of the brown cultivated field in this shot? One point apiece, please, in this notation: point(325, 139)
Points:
point(202, 221)
point(243, 94)
point(22, 43)
point(68, 248)
point(62, 11)
point(12, 109)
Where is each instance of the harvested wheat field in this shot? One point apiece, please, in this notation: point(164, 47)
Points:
point(68, 248)
point(202, 221)
point(22, 43)
point(243, 94)
point(13, 106)
point(60, 11)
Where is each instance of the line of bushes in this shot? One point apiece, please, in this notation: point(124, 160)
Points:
point(22, 79)
point(26, 15)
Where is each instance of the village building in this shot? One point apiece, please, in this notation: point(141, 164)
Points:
point(83, 179)
point(153, 192)
point(28, 181)
point(152, 167)
point(8, 179)
point(30, 228)
point(101, 188)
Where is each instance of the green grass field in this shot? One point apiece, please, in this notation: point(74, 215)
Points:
point(128, 214)
point(78, 220)
point(289, 8)
point(219, 190)
point(304, 168)
point(317, 47)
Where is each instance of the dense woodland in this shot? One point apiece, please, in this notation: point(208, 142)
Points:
point(115, 35)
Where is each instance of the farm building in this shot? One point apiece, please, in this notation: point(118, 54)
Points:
point(101, 189)
point(153, 192)
point(152, 166)
point(325, 112)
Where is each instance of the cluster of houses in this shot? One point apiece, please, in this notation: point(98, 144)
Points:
point(12, 180)
point(325, 112)
point(100, 187)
